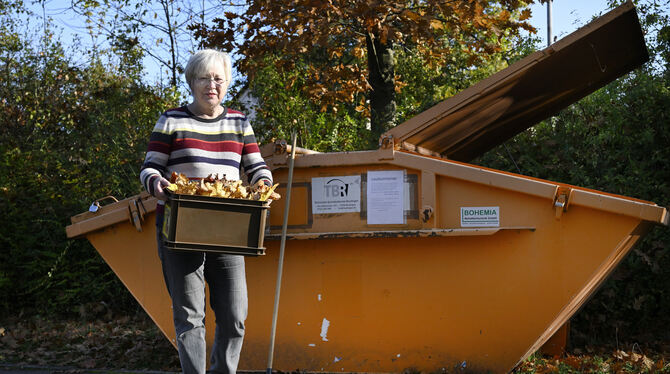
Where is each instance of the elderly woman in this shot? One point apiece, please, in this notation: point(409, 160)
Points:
point(199, 139)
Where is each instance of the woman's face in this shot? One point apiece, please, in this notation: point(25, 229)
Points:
point(209, 88)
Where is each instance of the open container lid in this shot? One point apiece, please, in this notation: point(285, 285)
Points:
point(534, 88)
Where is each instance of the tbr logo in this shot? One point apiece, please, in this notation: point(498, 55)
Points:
point(336, 194)
point(335, 188)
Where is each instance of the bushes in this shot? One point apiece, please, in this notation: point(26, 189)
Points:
point(68, 135)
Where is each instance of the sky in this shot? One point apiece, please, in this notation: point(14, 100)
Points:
point(567, 16)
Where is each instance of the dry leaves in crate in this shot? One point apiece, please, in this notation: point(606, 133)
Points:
point(221, 187)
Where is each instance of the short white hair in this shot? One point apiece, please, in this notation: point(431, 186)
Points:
point(202, 61)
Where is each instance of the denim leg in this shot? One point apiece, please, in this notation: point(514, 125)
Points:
point(228, 297)
point(185, 281)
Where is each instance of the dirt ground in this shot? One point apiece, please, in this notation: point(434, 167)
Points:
point(134, 343)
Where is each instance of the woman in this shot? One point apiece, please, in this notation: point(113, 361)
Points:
point(199, 139)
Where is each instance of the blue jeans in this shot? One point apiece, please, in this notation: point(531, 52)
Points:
point(185, 275)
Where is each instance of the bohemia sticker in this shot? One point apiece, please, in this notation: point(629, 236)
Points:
point(480, 216)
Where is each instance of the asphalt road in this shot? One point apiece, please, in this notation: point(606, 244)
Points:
point(28, 369)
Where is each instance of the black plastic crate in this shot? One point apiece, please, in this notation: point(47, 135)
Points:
point(214, 224)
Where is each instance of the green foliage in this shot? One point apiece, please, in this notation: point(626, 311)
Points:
point(68, 135)
point(282, 107)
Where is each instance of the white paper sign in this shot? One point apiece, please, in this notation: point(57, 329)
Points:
point(385, 197)
point(336, 194)
point(480, 216)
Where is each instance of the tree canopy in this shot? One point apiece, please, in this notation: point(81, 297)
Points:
point(348, 45)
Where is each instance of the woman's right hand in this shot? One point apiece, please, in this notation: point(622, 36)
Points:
point(159, 188)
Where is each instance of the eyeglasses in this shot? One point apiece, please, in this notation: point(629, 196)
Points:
point(207, 81)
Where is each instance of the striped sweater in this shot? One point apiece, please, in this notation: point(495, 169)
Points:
point(197, 147)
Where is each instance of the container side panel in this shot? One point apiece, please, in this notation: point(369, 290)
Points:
point(393, 304)
point(305, 220)
point(133, 257)
point(301, 210)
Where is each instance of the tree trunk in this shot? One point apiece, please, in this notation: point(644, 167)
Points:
point(171, 34)
point(381, 77)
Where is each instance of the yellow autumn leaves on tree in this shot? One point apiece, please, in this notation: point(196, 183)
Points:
point(338, 30)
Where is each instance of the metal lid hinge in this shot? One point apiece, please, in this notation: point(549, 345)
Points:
point(561, 200)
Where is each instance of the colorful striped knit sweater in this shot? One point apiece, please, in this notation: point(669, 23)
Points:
point(197, 147)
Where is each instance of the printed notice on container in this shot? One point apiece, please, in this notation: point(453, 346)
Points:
point(336, 194)
point(480, 216)
point(385, 197)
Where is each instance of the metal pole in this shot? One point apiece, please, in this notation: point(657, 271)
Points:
point(549, 25)
point(281, 253)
